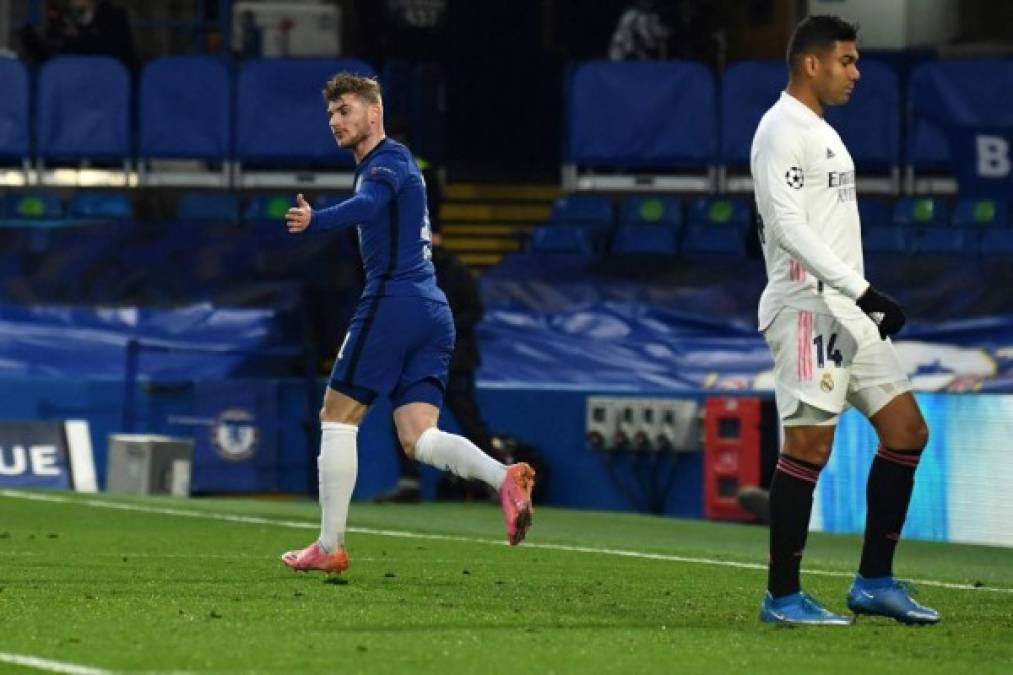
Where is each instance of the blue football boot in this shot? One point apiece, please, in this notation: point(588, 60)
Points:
point(799, 609)
point(885, 596)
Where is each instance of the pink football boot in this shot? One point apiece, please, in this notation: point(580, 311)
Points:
point(313, 557)
point(515, 497)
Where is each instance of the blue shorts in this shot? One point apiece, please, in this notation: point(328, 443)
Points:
point(399, 346)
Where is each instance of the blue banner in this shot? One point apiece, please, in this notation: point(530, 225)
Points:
point(34, 454)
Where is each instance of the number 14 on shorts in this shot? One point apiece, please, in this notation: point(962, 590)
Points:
point(832, 353)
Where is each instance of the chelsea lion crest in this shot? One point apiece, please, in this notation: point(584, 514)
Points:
point(234, 434)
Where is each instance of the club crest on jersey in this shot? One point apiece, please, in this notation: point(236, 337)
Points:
point(827, 383)
point(795, 177)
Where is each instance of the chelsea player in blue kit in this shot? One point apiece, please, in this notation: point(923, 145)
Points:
point(401, 336)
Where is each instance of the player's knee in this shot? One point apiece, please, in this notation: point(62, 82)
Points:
point(408, 442)
point(814, 454)
point(918, 435)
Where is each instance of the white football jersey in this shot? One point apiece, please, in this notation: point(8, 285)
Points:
point(804, 181)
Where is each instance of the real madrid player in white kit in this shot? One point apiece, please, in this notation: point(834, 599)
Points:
point(828, 330)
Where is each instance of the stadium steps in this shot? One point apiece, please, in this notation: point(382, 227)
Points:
point(483, 222)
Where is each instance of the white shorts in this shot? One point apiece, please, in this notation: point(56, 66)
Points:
point(823, 364)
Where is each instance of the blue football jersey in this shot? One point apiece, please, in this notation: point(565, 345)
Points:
point(396, 244)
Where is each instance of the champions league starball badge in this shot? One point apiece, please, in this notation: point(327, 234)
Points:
point(795, 177)
point(234, 435)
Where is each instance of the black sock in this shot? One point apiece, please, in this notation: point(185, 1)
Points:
point(791, 503)
point(891, 480)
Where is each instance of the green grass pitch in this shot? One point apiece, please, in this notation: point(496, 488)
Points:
point(168, 585)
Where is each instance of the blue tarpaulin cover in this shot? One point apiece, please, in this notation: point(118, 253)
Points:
point(78, 342)
point(570, 321)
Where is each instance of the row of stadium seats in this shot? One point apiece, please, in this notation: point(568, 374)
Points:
point(673, 114)
point(629, 114)
point(204, 205)
point(188, 107)
point(588, 224)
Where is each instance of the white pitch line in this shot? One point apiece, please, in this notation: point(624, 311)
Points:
point(50, 665)
point(255, 520)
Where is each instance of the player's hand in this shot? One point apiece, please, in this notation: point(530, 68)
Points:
point(298, 217)
point(883, 310)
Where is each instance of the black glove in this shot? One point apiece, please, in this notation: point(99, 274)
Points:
point(883, 310)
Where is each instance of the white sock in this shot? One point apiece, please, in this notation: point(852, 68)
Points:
point(337, 466)
point(458, 455)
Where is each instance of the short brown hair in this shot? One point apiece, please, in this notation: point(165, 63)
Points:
point(366, 88)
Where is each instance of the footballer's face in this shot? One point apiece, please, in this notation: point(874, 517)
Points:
point(837, 73)
point(349, 119)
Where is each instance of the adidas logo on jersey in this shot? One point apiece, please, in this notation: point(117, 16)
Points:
point(830, 154)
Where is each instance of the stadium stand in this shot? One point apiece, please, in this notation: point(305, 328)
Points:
point(717, 226)
point(15, 140)
point(185, 112)
point(661, 210)
point(647, 117)
point(100, 205)
point(561, 238)
point(642, 238)
point(83, 105)
point(926, 211)
point(281, 122)
point(949, 102)
point(971, 212)
point(27, 205)
point(217, 206)
point(748, 89)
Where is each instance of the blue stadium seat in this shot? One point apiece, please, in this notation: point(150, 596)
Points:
point(721, 211)
point(83, 108)
point(14, 129)
point(558, 238)
point(869, 124)
point(19, 205)
point(717, 225)
point(945, 240)
point(927, 148)
point(997, 241)
point(874, 213)
point(966, 93)
point(980, 213)
point(281, 119)
point(635, 238)
point(185, 109)
point(884, 238)
point(592, 212)
point(583, 210)
point(215, 205)
point(642, 114)
point(268, 207)
point(661, 210)
point(748, 89)
point(100, 204)
point(921, 212)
